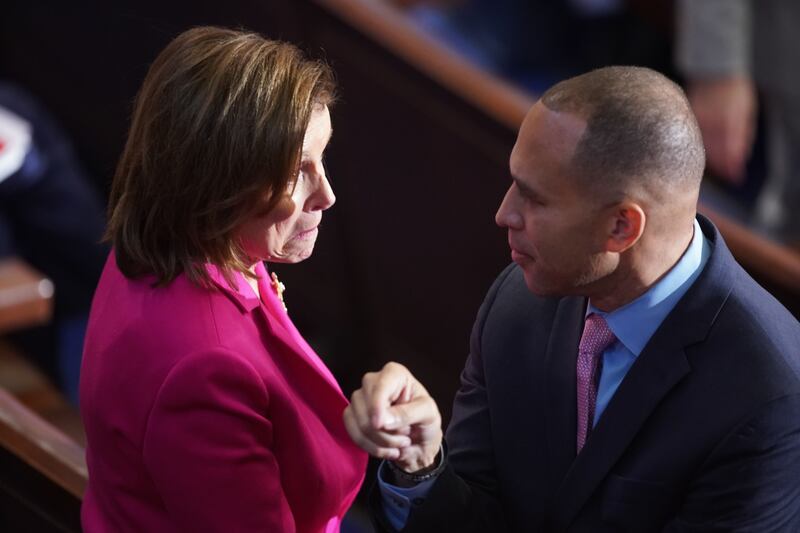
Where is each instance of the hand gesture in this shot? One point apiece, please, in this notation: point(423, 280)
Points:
point(393, 417)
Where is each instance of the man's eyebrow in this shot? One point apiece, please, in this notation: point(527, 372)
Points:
point(524, 188)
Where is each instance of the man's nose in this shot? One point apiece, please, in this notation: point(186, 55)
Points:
point(507, 215)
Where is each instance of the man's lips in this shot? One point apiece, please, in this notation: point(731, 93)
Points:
point(516, 254)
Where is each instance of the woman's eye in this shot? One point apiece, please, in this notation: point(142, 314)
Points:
point(297, 178)
point(305, 166)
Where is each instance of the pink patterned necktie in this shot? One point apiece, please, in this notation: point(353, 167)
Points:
point(595, 339)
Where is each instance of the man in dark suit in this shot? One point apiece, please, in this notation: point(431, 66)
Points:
point(625, 373)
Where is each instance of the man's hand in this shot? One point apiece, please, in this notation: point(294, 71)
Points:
point(725, 110)
point(393, 417)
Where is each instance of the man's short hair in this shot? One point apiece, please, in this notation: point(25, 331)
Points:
point(640, 130)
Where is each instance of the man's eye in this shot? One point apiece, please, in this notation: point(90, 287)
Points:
point(532, 199)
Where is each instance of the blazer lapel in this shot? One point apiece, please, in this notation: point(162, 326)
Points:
point(278, 320)
point(533, 384)
point(560, 387)
point(298, 351)
point(658, 368)
point(277, 324)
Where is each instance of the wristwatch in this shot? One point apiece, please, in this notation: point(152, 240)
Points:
point(426, 474)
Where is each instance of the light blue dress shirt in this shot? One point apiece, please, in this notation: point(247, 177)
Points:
point(633, 324)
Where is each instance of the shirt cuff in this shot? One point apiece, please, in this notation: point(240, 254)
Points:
point(398, 501)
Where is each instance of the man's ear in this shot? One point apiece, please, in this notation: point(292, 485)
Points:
point(627, 226)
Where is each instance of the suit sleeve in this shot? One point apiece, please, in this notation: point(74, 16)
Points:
point(464, 497)
point(207, 448)
point(751, 482)
point(713, 37)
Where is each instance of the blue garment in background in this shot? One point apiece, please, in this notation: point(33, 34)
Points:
point(52, 218)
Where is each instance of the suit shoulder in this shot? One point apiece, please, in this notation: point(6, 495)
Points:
point(510, 297)
point(511, 312)
point(754, 322)
point(137, 326)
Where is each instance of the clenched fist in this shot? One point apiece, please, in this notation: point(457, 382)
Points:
point(393, 417)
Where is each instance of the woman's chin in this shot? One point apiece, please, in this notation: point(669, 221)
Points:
point(292, 257)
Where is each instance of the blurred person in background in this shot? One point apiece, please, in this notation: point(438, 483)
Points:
point(204, 407)
point(51, 217)
point(535, 43)
point(731, 52)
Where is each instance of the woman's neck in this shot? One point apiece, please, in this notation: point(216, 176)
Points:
point(254, 281)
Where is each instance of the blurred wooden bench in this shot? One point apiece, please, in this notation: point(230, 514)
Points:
point(25, 296)
point(42, 471)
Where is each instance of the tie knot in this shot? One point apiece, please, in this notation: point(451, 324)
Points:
point(597, 336)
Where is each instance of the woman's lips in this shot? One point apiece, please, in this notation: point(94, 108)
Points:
point(307, 234)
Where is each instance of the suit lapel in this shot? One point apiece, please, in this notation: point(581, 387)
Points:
point(560, 392)
point(533, 384)
point(660, 366)
point(658, 369)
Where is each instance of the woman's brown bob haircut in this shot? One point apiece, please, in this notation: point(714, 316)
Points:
point(216, 137)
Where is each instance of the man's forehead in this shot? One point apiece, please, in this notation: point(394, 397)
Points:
point(546, 134)
point(544, 125)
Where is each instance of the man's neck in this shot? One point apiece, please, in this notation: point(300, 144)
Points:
point(639, 271)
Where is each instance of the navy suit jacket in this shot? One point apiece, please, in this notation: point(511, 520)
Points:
point(703, 434)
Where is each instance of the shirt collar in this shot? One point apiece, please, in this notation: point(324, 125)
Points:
point(634, 323)
point(241, 292)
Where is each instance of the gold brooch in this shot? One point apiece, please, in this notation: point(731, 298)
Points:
point(279, 289)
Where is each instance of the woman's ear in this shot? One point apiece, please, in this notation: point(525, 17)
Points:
point(627, 227)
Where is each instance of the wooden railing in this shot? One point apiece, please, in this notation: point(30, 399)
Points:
point(25, 296)
point(42, 471)
point(772, 264)
point(42, 446)
point(390, 28)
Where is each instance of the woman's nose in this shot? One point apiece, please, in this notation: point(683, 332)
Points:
point(323, 196)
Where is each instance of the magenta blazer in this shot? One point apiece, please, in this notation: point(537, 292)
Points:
point(205, 410)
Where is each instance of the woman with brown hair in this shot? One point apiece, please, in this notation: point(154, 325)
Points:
point(205, 410)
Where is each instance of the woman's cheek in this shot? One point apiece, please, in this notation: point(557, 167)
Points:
point(283, 209)
point(276, 230)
